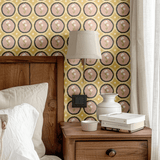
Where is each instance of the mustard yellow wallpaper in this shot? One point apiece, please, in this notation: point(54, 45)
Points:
point(41, 28)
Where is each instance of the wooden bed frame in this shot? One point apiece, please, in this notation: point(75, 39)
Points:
point(19, 71)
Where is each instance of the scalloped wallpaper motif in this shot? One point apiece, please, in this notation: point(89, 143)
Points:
point(41, 28)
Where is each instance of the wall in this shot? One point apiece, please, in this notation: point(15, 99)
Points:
point(41, 28)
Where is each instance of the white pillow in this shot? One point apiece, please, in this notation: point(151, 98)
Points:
point(3, 124)
point(17, 139)
point(34, 95)
point(50, 158)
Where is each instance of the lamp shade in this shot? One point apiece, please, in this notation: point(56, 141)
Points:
point(83, 45)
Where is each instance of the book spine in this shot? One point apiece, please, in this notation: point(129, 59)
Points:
point(130, 127)
point(112, 119)
point(124, 121)
point(136, 120)
point(115, 125)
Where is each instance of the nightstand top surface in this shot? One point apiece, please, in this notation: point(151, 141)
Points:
point(74, 130)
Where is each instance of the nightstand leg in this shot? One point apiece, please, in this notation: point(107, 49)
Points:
point(69, 149)
point(149, 148)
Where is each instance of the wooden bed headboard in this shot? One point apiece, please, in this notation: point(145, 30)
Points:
point(19, 71)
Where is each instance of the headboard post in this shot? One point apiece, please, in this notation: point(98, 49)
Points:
point(60, 88)
point(60, 98)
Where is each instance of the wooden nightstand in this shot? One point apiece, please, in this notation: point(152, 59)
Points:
point(80, 145)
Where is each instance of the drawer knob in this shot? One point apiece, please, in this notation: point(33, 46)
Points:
point(111, 152)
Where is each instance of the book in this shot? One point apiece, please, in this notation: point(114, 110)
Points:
point(125, 118)
point(120, 126)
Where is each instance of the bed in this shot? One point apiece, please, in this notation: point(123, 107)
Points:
point(19, 71)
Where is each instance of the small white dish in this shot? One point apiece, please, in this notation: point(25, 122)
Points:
point(89, 125)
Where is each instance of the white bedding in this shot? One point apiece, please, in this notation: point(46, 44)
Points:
point(17, 138)
point(23, 120)
point(34, 95)
point(50, 158)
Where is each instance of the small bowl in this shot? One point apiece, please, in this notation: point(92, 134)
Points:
point(89, 125)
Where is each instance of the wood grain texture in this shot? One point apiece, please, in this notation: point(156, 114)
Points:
point(125, 150)
point(47, 73)
point(69, 149)
point(149, 148)
point(60, 100)
point(93, 145)
point(12, 75)
point(19, 71)
point(74, 130)
point(28, 59)
point(60, 88)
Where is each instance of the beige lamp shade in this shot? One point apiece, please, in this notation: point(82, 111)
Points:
point(83, 45)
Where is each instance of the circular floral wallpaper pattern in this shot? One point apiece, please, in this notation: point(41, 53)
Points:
point(36, 28)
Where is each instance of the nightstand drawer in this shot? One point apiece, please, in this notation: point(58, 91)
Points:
point(125, 150)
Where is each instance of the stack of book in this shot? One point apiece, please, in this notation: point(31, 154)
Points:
point(122, 122)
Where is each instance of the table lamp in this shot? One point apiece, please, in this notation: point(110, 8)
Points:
point(83, 45)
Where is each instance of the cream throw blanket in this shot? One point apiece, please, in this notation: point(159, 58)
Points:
point(3, 123)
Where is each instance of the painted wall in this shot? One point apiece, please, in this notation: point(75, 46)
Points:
point(41, 28)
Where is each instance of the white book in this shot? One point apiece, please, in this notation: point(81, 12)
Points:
point(125, 118)
point(130, 127)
